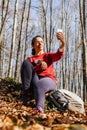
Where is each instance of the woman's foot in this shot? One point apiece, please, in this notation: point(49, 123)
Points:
point(38, 110)
point(24, 99)
point(26, 96)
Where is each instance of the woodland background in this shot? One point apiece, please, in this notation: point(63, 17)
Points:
point(21, 20)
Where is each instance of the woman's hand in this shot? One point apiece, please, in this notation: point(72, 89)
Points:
point(61, 37)
point(43, 64)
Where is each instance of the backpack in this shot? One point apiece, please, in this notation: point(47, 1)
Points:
point(59, 101)
point(75, 103)
point(64, 99)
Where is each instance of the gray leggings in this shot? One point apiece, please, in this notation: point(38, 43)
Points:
point(39, 85)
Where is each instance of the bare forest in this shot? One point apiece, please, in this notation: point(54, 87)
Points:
point(21, 20)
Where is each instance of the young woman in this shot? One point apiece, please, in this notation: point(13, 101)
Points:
point(37, 72)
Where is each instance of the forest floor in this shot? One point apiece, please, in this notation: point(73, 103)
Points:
point(15, 116)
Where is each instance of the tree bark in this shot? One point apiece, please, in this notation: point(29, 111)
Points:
point(11, 60)
point(45, 25)
point(3, 21)
point(83, 41)
point(27, 24)
point(19, 44)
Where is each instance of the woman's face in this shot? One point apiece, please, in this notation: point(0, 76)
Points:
point(38, 44)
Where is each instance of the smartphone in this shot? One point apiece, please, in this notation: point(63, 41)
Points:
point(59, 30)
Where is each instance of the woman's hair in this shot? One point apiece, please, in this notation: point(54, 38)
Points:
point(33, 51)
point(32, 43)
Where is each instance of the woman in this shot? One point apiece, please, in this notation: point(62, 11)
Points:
point(37, 72)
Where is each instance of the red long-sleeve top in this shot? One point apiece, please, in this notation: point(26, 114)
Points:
point(49, 58)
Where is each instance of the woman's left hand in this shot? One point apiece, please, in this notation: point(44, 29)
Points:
point(43, 65)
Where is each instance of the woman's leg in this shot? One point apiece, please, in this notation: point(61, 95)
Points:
point(39, 86)
point(44, 85)
point(27, 76)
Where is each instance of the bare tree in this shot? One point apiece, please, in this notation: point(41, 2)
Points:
point(19, 43)
point(83, 41)
point(11, 60)
point(51, 26)
point(44, 12)
point(4, 18)
point(3, 21)
point(27, 24)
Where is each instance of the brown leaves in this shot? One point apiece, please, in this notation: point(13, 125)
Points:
point(15, 116)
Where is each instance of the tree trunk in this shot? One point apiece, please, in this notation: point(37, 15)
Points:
point(3, 21)
point(83, 41)
point(45, 25)
point(27, 24)
point(19, 44)
point(62, 63)
point(11, 60)
point(51, 30)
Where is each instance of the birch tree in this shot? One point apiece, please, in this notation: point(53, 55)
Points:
point(19, 43)
point(11, 60)
point(3, 22)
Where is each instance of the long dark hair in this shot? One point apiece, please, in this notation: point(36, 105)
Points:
point(32, 43)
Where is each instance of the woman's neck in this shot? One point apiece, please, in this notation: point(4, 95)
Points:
point(39, 53)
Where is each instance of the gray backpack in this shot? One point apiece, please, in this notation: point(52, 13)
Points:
point(64, 99)
point(59, 101)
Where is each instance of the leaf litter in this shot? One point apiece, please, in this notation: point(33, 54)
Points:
point(15, 116)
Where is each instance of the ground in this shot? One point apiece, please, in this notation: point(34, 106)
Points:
point(15, 116)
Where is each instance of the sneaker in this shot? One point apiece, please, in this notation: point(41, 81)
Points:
point(38, 110)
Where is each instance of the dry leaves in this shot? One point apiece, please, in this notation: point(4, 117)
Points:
point(15, 116)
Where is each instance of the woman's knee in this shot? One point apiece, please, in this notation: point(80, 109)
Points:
point(26, 63)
